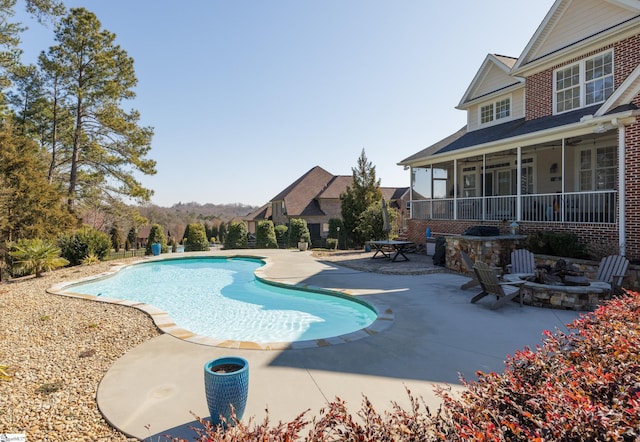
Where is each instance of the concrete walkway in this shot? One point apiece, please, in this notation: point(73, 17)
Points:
point(435, 336)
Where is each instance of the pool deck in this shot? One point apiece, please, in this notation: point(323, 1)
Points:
point(435, 335)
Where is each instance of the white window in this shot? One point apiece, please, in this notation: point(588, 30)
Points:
point(597, 168)
point(590, 81)
point(497, 110)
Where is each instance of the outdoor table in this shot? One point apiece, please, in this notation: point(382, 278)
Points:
point(390, 249)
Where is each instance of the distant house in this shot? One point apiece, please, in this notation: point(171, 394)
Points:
point(552, 139)
point(315, 197)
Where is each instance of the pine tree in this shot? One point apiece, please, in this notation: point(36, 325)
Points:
point(364, 191)
point(95, 75)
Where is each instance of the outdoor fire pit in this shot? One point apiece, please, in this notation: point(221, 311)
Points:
point(562, 286)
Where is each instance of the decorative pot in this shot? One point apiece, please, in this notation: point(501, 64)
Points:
point(156, 248)
point(302, 246)
point(226, 381)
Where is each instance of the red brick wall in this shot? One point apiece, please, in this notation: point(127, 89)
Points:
point(539, 90)
point(632, 172)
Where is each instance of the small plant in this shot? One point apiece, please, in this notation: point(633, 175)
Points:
point(45, 318)
point(90, 259)
point(36, 256)
point(83, 242)
point(332, 243)
point(4, 374)
point(49, 388)
point(93, 325)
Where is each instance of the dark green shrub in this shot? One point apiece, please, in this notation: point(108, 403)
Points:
point(237, 236)
point(132, 237)
point(298, 231)
point(156, 235)
point(556, 244)
point(84, 242)
point(281, 235)
point(332, 243)
point(196, 240)
point(116, 238)
point(266, 235)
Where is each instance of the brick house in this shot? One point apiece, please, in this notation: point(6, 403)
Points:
point(552, 139)
point(315, 197)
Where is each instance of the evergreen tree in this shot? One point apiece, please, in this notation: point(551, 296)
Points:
point(196, 240)
point(96, 76)
point(29, 206)
point(364, 191)
point(222, 233)
point(132, 237)
point(237, 237)
point(116, 237)
point(156, 235)
point(298, 231)
point(266, 235)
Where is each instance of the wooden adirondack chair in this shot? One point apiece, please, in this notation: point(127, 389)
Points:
point(492, 286)
point(612, 270)
point(522, 262)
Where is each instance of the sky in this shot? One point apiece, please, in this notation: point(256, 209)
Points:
point(246, 96)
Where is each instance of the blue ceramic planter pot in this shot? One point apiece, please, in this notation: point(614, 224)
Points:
point(156, 248)
point(226, 381)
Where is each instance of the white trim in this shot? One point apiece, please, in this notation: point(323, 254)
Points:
point(481, 75)
point(629, 5)
point(622, 198)
point(495, 120)
point(626, 92)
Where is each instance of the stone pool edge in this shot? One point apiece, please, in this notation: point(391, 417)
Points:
point(164, 322)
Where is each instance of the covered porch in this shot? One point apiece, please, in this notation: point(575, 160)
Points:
point(566, 180)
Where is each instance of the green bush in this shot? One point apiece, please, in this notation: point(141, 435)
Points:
point(196, 240)
point(82, 243)
point(332, 243)
point(371, 222)
point(298, 231)
point(237, 236)
point(281, 234)
point(266, 235)
point(35, 256)
point(556, 244)
point(156, 236)
point(116, 237)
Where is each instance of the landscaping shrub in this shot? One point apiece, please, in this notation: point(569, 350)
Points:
point(580, 386)
point(196, 240)
point(556, 244)
point(332, 243)
point(281, 235)
point(35, 256)
point(116, 237)
point(266, 235)
point(298, 230)
point(82, 243)
point(156, 236)
point(237, 236)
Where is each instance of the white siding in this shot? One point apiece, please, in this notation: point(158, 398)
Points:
point(494, 79)
point(582, 19)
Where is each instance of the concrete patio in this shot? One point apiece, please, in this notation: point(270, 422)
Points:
point(436, 335)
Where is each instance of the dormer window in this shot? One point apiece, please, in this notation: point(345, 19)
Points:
point(495, 111)
point(590, 81)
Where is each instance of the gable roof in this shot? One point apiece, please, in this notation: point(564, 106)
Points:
point(493, 76)
point(299, 196)
point(573, 24)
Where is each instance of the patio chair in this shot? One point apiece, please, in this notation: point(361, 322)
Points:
point(522, 263)
point(612, 270)
point(492, 286)
point(467, 262)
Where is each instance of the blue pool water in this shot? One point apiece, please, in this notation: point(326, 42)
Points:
point(221, 298)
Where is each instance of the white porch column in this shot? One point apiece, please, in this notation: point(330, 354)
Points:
point(519, 185)
point(455, 188)
point(622, 199)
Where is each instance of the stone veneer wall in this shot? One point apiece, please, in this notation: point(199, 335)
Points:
point(493, 250)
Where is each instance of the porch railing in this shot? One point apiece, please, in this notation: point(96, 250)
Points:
point(573, 207)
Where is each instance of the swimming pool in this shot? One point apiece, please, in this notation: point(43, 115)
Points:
point(222, 298)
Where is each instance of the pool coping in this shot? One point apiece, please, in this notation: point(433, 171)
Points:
point(164, 322)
